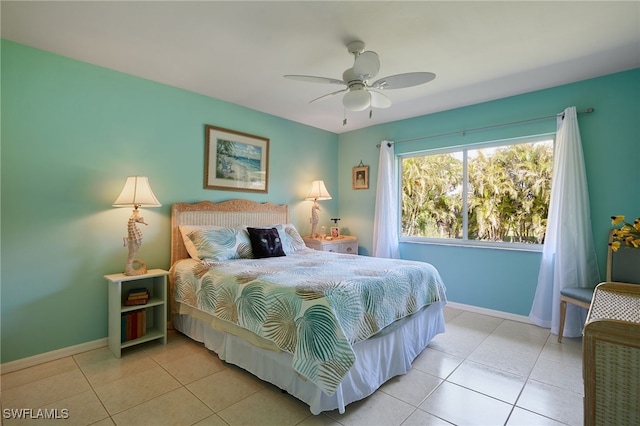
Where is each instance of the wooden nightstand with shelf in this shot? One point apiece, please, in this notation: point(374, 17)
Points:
point(347, 244)
point(155, 310)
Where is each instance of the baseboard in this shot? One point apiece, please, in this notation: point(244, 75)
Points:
point(19, 364)
point(491, 312)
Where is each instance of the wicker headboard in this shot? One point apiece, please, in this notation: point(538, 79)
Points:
point(226, 213)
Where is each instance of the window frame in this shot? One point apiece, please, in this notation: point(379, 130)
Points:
point(464, 241)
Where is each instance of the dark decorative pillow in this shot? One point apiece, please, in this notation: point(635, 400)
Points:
point(265, 242)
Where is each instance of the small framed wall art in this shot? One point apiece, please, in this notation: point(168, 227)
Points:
point(360, 176)
point(335, 232)
point(235, 161)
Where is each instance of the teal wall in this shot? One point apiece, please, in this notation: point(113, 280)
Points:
point(505, 280)
point(71, 133)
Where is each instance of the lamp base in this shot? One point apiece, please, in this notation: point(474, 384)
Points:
point(135, 267)
point(314, 218)
point(133, 240)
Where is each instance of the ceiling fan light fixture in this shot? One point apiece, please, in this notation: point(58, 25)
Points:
point(357, 100)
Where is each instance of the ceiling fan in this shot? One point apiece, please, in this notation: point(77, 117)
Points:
point(360, 94)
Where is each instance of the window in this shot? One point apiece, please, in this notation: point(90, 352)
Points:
point(497, 193)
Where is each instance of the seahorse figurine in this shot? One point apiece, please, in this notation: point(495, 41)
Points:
point(134, 240)
point(314, 219)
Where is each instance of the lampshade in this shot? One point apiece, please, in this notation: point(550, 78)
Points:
point(318, 191)
point(137, 193)
point(357, 100)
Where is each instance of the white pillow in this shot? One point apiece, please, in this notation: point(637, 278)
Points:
point(216, 243)
point(295, 240)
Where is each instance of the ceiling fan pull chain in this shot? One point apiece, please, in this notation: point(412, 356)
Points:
point(344, 122)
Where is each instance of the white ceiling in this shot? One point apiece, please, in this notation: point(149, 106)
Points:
point(239, 51)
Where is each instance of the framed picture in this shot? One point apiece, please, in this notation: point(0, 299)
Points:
point(360, 177)
point(335, 232)
point(235, 161)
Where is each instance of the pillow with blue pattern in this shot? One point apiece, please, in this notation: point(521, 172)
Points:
point(215, 242)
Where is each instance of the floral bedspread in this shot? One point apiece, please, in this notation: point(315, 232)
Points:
point(312, 304)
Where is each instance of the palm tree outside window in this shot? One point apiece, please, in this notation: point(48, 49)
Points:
point(492, 193)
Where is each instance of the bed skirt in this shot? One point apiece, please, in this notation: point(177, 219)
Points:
point(378, 359)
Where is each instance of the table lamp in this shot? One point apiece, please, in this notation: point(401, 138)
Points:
point(318, 192)
point(136, 193)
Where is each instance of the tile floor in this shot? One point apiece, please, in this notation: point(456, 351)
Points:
point(483, 371)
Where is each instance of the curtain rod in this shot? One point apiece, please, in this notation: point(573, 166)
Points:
point(463, 132)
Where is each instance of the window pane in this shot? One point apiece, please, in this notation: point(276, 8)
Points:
point(508, 192)
point(507, 195)
point(432, 196)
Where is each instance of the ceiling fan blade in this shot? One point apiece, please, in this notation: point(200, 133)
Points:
point(328, 95)
point(400, 81)
point(379, 100)
point(313, 79)
point(367, 65)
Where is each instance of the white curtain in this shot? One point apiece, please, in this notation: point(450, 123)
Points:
point(385, 224)
point(568, 256)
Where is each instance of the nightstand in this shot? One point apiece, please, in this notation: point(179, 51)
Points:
point(347, 244)
point(143, 322)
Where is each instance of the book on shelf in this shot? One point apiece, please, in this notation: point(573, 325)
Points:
point(133, 325)
point(137, 296)
point(135, 302)
point(137, 292)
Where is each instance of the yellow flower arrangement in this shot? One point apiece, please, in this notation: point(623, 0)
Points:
point(627, 233)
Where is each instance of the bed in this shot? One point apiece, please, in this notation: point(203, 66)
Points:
point(327, 328)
